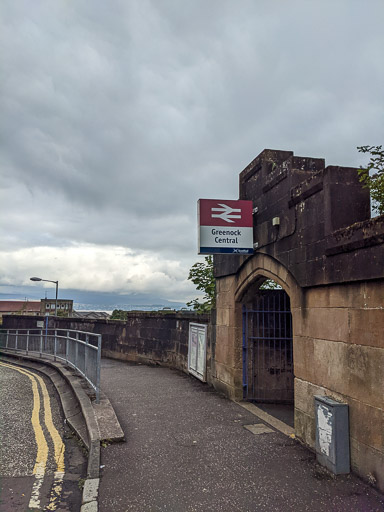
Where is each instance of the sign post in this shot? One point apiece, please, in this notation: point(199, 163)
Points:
point(225, 226)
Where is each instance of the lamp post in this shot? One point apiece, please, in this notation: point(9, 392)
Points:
point(49, 281)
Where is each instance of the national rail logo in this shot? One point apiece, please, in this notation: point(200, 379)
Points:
point(225, 226)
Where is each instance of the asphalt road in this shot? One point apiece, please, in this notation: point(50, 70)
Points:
point(41, 463)
point(189, 449)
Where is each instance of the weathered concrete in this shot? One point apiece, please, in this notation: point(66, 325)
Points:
point(91, 489)
point(276, 423)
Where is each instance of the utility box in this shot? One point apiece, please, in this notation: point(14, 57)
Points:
point(197, 350)
point(332, 434)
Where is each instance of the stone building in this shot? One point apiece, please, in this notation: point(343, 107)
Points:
point(64, 307)
point(324, 335)
point(45, 307)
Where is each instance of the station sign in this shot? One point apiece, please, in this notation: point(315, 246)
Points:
point(225, 226)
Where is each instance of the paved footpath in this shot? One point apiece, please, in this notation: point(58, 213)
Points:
point(187, 449)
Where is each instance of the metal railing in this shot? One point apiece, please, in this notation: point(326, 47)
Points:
point(78, 349)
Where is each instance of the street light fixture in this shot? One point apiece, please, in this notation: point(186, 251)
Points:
point(49, 281)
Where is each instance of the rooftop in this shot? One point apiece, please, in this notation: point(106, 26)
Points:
point(12, 306)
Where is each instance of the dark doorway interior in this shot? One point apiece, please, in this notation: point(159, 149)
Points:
point(268, 351)
point(283, 412)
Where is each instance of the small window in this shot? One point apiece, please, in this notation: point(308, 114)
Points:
point(47, 306)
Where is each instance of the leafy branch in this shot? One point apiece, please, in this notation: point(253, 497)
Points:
point(201, 275)
point(372, 176)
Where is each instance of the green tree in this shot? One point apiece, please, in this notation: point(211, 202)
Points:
point(372, 176)
point(119, 314)
point(269, 284)
point(201, 275)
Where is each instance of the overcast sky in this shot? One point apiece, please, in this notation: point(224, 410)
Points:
point(117, 116)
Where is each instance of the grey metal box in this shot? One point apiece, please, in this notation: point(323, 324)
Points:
point(332, 434)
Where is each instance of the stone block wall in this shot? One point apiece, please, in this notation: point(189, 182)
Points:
point(338, 343)
point(146, 337)
point(227, 364)
point(339, 352)
point(327, 254)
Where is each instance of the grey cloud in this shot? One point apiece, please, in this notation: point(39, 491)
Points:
point(116, 118)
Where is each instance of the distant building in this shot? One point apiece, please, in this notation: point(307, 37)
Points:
point(64, 307)
point(20, 307)
point(43, 307)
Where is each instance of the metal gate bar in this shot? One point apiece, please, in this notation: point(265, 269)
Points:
point(267, 348)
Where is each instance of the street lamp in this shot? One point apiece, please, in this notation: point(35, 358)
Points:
point(48, 281)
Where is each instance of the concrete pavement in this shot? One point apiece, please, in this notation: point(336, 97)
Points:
point(189, 449)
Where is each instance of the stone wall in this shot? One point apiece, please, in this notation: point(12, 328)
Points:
point(328, 256)
point(146, 337)
point(339, 352)
point(226, 366)
point(325, 235)
point(338, 342)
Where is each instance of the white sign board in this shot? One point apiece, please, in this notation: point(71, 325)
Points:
point(324, 425)
point(197, 350)
point(225, 226)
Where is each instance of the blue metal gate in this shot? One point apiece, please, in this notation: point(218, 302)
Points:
point(267, 348)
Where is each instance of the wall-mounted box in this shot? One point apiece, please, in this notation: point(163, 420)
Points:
point(332, 434)
point(197, 350)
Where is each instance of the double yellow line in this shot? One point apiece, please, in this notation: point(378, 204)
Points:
point(42, 445)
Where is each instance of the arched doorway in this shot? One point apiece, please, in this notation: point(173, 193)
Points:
point(267, 322)
point(268, 347)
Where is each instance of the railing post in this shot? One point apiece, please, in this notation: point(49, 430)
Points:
point(86, 355)
point(67, 347)
point(55, 346)
point(46, 334)
point(76, 349)
point(41, 346)
point(98, 365)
